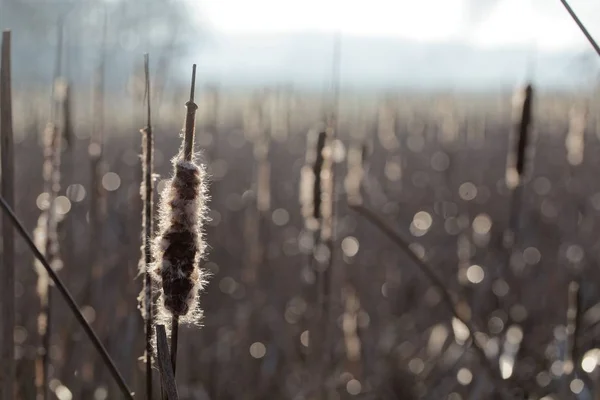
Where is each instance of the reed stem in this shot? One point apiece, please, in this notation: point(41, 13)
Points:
point(148, 229)
point(188, 155)
point(7, 271)
point(8, 211)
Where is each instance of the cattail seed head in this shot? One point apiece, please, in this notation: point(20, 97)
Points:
point(311, 179)
point(325, 200)
point(517, 158)
point(179, 245)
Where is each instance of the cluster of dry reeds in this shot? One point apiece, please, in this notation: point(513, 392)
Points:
point(361, 309)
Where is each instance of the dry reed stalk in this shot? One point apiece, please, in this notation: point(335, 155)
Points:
point(327, 237)
point(7, 313)
point(14, 220)
point(516, 169)
point(46, 232)
point(260, 204)
point(179, 246)
point(328, 209)
point(256, 235)
point(310, 195)
point(146, 192)
point(582, 27)
point(97, 210)
point(316, 200)
point(95, 150)
point(67, 128)
point(164, 364)
point(46, 238)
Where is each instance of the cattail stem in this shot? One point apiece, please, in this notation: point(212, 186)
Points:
point(164, 364)
point(188, 148)
point(148, 229)
point(49, 229)
point(190, 121)
point(7, 270)
point(174, 342)
point(12, 218)
point(517, 170)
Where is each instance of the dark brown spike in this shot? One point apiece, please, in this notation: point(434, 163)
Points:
point(524, 131)
point(317, 169)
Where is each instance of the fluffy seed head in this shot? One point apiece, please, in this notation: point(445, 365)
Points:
point(179, 245)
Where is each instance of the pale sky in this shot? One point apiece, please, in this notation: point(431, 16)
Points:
point(543, 24)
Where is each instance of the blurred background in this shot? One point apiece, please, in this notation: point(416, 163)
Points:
point(423, 91)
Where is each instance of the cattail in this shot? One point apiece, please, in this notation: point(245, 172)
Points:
point(7, 189)
point(310, 180)
point(325, 201)
point(180, 245)
point(517, 159)
point(146, 192)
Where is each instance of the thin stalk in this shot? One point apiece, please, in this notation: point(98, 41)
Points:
point(52, 150)
point(174, 342)
point(517, 165)
point(164, 364)
point(8, 211)
point(148, 229)
point(327, 227)
point(188, 153)
point(7, 271)
point(581, 26)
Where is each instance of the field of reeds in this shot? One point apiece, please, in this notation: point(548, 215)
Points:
point(373, 246)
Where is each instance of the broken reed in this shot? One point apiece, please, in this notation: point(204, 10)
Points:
point(46, 238)
point(179, 245)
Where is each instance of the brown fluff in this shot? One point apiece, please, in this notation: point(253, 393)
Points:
point(179, 246)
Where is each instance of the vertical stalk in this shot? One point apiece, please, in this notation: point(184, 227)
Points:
point(147, 150)
point(188, 155)
point(7, 352)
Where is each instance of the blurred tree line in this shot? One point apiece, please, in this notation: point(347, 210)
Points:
point(90, 31)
